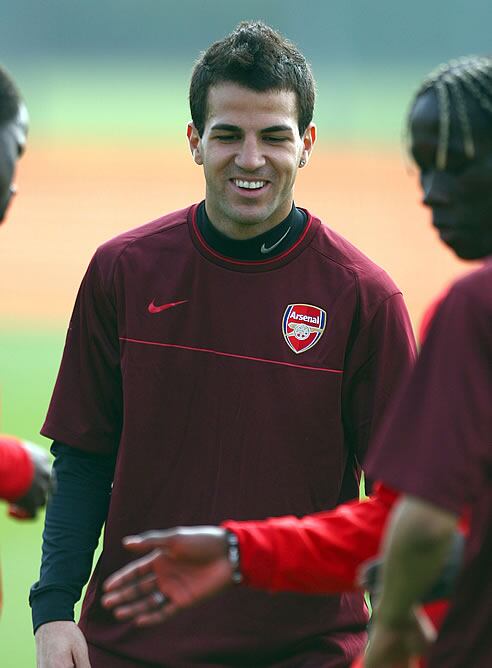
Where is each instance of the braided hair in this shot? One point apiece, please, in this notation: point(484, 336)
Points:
point(457, 83)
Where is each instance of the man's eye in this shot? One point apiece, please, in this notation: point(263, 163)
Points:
point(273, 139)
point(227, 138)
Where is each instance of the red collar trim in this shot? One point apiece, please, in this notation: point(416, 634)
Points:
point(248, 263)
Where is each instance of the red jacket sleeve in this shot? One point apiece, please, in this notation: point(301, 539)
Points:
point(319, 553)
point(16, 468)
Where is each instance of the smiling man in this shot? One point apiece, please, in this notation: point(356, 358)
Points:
point(232, 359)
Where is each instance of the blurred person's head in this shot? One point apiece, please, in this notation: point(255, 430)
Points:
point(450, 131)
point(13, 135)
point(251, 99)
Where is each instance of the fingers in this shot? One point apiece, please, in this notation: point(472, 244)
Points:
point(151, 617)
point(80, 656)
point(145, 541)
point(136, 590)
point(42, 484)
point(149, 604)
point(61, 644)
point(152, 608)
point(130, 573)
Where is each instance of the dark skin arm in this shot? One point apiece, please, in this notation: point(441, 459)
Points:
point(416, 546)
point(183, 560)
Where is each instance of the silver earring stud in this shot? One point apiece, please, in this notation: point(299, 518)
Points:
point(302, 162)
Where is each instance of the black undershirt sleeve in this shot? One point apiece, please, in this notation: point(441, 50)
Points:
point(74, 519)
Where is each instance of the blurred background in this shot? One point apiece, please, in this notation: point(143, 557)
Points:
point(106, 85)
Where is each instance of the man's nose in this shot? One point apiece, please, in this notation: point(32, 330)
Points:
point(437, 187)
point(250, 156)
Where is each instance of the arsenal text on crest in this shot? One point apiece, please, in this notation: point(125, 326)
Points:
point(302, 326)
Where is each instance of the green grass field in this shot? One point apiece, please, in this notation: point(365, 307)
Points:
point(29, 360)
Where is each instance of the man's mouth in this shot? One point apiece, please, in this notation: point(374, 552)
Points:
point(249, 185)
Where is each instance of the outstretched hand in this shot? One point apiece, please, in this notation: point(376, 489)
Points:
point(185, 566)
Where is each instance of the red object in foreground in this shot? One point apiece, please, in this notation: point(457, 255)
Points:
point(319, 553)
point(16, 468)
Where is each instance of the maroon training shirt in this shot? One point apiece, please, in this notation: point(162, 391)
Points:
point(438, 446)
point(231, 389)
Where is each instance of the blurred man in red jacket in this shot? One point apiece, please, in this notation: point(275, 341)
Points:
point(24, 468)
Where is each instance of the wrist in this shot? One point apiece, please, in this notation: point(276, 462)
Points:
point(391, 618)
point(51, 604)
point(233, 556)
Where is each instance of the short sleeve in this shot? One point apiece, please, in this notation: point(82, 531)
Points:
point(86, 407)
point(380, 358)
point(437, 443)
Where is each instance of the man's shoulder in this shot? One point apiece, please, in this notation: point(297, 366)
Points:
point(372, 280)
point(171, 222)
point(477, 282)
point(473, 291)
point(143, 240)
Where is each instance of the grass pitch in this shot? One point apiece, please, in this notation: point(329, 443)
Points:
point(29, 362)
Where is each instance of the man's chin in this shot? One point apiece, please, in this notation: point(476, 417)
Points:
point(249, 215)
point(469, 252)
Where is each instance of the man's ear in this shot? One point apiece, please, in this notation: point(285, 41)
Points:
point(308, 140)
point(195, 143)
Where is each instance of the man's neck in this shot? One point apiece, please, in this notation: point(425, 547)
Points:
point(238, 231)
point(258, 248)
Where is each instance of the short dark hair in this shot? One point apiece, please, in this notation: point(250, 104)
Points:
point(257, 57)
point(10, 98)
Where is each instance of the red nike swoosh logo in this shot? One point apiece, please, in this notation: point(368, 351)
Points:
point(157, 309)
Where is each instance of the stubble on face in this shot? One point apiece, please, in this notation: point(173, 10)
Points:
point(250, 151)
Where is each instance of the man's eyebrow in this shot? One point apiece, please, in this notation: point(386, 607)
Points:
point(226, 127)
point(278, 128)
point(235, 128)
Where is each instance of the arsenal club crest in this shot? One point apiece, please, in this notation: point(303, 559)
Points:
point(303, 326)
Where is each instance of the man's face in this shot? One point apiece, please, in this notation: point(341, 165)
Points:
point(250, 151)
point(460, 195)
point(13, 135)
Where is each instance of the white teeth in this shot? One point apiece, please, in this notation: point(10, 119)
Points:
point(250, 185)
